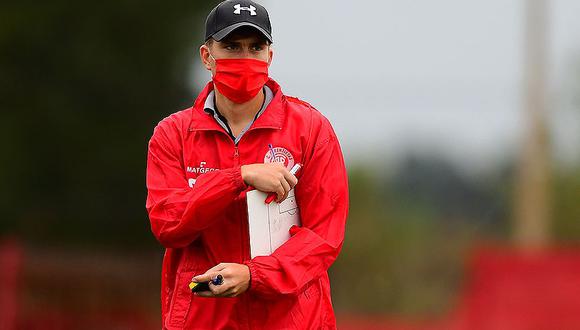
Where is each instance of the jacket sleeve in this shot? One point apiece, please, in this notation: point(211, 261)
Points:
point(178, 212)
point(322, 196)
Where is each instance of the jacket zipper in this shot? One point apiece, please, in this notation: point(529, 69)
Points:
point(236, 156)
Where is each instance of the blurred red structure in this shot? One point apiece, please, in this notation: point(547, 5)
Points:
point(10, 266)
point(506, 289)
point(65, 289)
point(522, 290)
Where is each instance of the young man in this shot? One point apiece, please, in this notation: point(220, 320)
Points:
point(243, 133)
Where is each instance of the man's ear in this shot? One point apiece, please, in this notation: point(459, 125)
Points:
point(204, 56)
point(270, 55)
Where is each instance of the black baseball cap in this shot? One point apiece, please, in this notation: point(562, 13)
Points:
point(232, 14)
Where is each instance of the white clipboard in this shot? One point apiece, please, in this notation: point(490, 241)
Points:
point(269, 224)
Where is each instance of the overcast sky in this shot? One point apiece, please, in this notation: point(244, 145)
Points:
point(445, 76)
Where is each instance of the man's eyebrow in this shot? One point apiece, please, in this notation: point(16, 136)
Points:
point(230, 42)
point(234, 42)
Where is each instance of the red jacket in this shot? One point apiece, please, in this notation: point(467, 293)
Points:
point(197, 208)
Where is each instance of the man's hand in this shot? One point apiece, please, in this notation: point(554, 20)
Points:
point(236, 280)
point(270, 177)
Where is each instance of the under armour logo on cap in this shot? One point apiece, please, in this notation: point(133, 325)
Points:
point(228, 16)
point(238, 10)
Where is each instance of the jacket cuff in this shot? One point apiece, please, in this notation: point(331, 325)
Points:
point(237, 178)
point(253, 274)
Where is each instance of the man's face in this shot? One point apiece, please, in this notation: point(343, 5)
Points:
point(236, 45)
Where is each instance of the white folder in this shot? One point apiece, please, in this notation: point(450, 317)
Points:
point(270, 223)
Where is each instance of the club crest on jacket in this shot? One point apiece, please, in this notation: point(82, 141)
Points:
point(279, 155)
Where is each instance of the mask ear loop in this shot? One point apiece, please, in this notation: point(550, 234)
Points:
point(210, 55)
point(214, 62)
point(213, 58)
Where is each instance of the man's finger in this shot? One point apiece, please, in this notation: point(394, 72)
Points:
point(214, 269)
point(219, 290)
point(291, 178)
point(287, 188)
point(215, 291)
point(280, 192)
point(202, 278)
point(205, 277)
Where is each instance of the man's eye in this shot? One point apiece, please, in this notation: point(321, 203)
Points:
point(231, 47)
point(257, 48)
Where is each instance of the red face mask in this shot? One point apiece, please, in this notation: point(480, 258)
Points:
point(240, 79)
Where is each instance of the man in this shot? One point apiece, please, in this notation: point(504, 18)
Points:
point(243, 133)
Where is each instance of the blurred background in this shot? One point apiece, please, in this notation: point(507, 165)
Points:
point(460, 124)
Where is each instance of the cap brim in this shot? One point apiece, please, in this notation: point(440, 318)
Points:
point(227, 30)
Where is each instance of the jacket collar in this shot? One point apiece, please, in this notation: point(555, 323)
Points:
point(272, 117)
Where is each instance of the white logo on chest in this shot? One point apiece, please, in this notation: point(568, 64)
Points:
point(198, 170)
point(279, 155)
point(201, 169)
